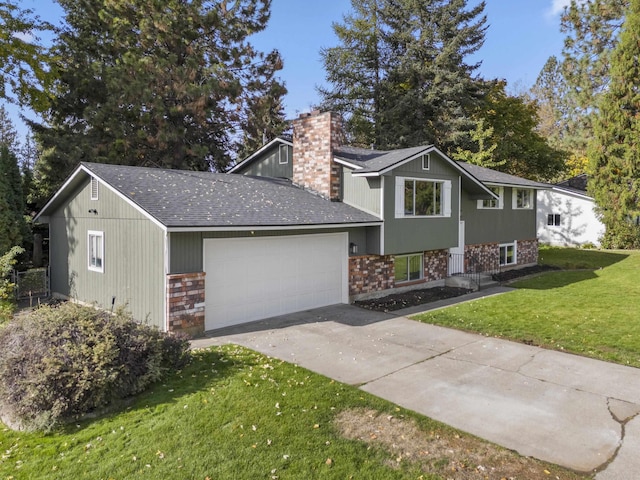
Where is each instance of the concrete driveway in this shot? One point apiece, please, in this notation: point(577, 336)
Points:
point(564, 409)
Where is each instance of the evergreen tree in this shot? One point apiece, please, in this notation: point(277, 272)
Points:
point(613, 151)
point(146, 82)
point(400, 74)
point(12, 224)
point(592, 29)
point(8, 133)
point(264, 117)
point(357, 70)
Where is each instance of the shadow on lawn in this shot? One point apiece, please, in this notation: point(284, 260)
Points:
point(575, 258)
point(557, 279)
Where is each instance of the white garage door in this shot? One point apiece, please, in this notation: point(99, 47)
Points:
point(253, 278)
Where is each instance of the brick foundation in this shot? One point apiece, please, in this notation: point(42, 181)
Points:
point(373, 273)
point(527, 251)
point(482, 257)
point(370, 273)
point(435, 265)
point(185, 303)
point(485, 257)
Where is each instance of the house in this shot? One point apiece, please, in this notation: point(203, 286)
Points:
point(566, 214)
point(300, 224)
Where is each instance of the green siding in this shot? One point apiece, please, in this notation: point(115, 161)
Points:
point(186, 248)
point(133, 255)
point(268, 164)
point(407, 235)
point(361, 192)
point(500, 225)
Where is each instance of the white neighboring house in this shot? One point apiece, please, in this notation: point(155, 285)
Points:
point(566, 214)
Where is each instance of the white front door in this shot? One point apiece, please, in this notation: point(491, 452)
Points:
point(456, 254)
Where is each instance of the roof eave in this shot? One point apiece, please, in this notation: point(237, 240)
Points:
point(249, 228)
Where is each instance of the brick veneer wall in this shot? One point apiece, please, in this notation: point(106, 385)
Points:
point(185, 303)
point(485, 257)
point(527, 251)
point(435, 265)
point(315, 136)
point(482, 257)
point(370, 273)
point(375, 273)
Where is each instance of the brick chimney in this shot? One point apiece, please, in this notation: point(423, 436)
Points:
point(315, 136)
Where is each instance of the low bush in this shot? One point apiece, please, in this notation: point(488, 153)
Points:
point(60, 362)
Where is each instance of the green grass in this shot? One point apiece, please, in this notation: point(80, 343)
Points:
point(588, 312)
point(235, 414)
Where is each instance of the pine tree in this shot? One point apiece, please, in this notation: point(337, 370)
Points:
point(12, 224)
point(356, 70)
point(592, 29)
point(264, 117)
point(147, 82)
point(400, 74)
point(613, 151)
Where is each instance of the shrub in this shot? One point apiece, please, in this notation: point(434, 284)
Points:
point(64, 361)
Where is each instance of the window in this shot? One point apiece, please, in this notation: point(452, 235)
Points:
point(553, 219)
point(94, 188)
point(426, 161)
point(96, 251)
point(508, 254)
point(283, 157)
point(408, 268)
point(494, 203)
point(417, 197)
point(522, 198)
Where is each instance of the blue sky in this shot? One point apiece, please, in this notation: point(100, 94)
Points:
point(522, 34)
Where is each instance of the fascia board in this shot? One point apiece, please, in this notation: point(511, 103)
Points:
point(249, 228)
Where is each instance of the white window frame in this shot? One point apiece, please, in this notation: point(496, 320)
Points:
point(286, 154)
point(515, 254)
point(499, 205)
point(408, 257)
point(93, 188)
point(515, 198)
point(554, 220)
point(426, 160)
point(93, 243)
point(445, 201)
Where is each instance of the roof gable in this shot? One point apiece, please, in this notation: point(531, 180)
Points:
point(373, 163)
point(258, 153)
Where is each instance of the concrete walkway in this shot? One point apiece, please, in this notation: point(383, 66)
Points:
point(576, 412)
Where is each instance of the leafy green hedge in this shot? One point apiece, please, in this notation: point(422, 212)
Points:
point(60, 362)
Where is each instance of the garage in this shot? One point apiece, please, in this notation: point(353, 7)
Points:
point(249, 279)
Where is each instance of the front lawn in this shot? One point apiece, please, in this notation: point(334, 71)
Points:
point(235, 414)
point(592, 311)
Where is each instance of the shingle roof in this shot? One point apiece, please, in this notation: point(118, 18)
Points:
point(178, 198)
point(487, 175)
point(377, 160)
point(577, 184)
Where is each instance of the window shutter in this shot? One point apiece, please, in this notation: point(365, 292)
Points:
point(447, 198)
point(399, 197)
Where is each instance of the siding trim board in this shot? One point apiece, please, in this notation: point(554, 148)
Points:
point(251, 228)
